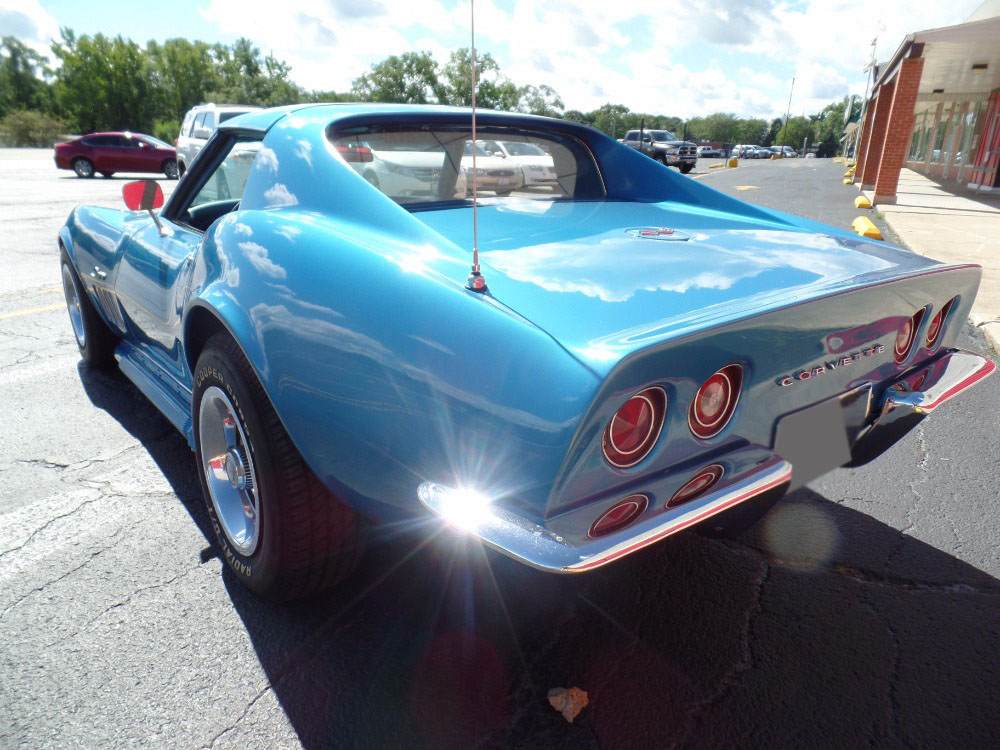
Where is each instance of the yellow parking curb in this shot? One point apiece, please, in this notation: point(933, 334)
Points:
point(862, 202)
point(866, 228)
point(733, 163)
point(848, 180)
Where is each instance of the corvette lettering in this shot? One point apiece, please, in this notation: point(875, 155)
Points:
point(830, 365)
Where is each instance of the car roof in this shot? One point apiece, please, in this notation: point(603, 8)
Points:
point(263, 120)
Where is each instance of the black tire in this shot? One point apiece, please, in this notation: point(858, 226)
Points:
point(181, 169)
point(662, 158)
point(372, 179)
point(170, 169)
point(685, 168)
point(107, 174)
point(94, 339)
point(84, 168)
point(307, 538)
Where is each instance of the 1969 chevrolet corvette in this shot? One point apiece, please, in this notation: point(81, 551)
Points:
point(635, 355)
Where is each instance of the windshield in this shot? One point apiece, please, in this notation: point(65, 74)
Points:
point(415, 165)
point(663, 135)
point(223, 116)
point(523, 149)
point(155, 142)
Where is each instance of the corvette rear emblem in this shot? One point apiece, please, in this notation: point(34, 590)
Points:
point(657, 233)
point(826, 367)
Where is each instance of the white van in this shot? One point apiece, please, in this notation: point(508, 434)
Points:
point(199, 124)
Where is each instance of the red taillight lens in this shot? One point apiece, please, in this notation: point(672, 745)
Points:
point(715, 402)
point(698, 484)
point(619, 515)
point(905, 336)
point(633, 431)
point(355, 154)
point(937, 325)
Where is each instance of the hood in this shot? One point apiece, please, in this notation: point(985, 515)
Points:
point(586, 274)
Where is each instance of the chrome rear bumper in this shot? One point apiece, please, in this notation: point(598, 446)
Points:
point(763, 475)
point(541, 548)
point(908, 400)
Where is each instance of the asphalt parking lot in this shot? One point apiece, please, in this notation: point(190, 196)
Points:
point(864, 610)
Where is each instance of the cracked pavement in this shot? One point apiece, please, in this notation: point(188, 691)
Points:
point(863, 611)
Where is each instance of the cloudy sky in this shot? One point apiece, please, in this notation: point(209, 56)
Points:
point(684, 57)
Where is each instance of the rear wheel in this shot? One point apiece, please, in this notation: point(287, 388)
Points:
point(94, 339)
point(170, 169)
point(83, 167)
point(372, 179)
point(282, 533)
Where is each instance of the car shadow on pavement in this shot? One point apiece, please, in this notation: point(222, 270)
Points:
point(821, 627)
point(114, 393)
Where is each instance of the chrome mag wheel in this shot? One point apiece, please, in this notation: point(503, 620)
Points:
point(229, 471)
point(73, 304)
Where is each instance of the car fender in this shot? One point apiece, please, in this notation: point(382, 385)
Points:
point(384, 369)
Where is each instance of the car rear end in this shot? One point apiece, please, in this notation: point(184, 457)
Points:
point(697, 426)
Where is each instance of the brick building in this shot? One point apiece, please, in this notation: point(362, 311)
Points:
point(935, 108)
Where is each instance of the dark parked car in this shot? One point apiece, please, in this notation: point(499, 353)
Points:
point(108, 153)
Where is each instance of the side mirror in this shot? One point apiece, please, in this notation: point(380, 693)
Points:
point(145, 195)
point(202, 133)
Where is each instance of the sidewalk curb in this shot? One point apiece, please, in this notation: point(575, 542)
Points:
point(990, 330)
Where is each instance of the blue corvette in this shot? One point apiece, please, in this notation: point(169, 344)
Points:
point(635, 354)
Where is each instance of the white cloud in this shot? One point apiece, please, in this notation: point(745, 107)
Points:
point(29, 22)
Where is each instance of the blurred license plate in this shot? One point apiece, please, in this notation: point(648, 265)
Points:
point(504, 180)
point(813, 440)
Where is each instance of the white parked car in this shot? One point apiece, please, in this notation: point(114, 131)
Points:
point(494, 173)
point(199, 124)
point(404, 173)
point(536, 166)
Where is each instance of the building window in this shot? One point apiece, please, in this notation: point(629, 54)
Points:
point(965, 155)
point(937, 150)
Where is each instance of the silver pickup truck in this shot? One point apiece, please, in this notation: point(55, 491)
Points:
point(665, 147)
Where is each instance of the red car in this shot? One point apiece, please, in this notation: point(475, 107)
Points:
point(108, 153)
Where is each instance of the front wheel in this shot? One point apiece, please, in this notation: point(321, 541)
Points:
point(94, 339)
point(83, 167)
point(282, 533)
point(685, 168)
point(170, 169)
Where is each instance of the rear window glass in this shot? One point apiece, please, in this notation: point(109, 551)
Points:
point(418, 166)
point(223, 116)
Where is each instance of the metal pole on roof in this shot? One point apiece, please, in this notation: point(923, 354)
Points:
point(788, 114)
point(476, 282)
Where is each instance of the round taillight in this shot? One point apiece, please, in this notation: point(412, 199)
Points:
point(620, 515)
point(937, 325)
point(715, 402)
point(698, 484)
point(905, 335)
point(634, 429)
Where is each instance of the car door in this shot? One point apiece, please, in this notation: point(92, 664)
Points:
point(155, 270)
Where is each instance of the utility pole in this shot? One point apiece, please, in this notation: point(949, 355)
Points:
point(788, 114)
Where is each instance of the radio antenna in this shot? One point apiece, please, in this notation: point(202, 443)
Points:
point(476, 281)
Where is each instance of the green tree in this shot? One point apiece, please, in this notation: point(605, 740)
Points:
point(409, 78)
point(22, 71)
point(184, 74)
point(539, 100)
point(752, 130)
point(493, 89)
point(772, 132)
point(245, 77)
point(613, 119)
point(794, 131)
point(104, 83)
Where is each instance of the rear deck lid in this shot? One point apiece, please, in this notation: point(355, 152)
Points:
point(606, 278)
